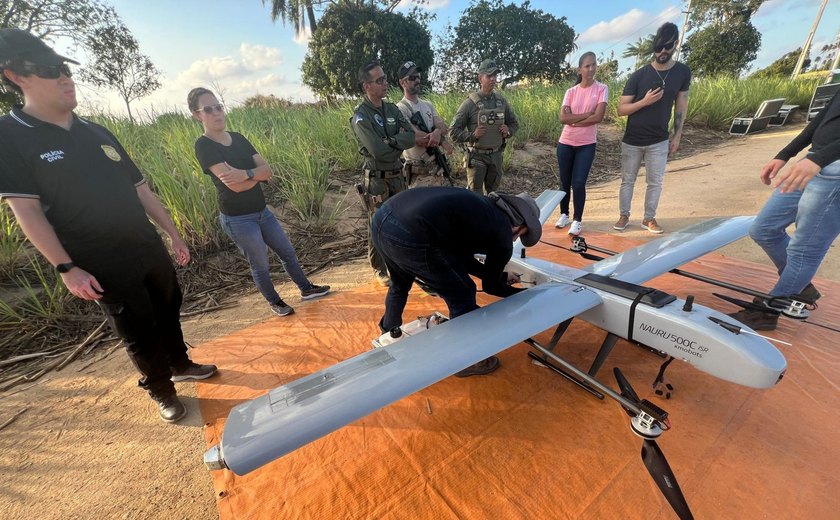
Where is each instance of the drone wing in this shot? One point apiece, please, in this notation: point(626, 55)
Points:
point(290, 416)
point(660, 256)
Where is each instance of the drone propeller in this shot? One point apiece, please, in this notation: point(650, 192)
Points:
point(646, 424)
point(750, 306)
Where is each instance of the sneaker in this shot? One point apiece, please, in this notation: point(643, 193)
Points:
point(383, 279)
point(757, 320)
point(808, 295)
point(622, 222)
point(485, 366)
point(563, 221)
point(575, 228)
point(314, 292)
point(193, 372)
point(280, 308)
point(170, 408)
point(652, 226)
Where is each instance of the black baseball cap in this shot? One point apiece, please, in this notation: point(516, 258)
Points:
point(408, 68)
point(17, 44)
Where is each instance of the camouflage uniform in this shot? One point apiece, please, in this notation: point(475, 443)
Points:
point(382, 134)
point(483, 157)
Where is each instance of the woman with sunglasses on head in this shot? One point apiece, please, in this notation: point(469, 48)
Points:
point(583, 108)
point(237, 170)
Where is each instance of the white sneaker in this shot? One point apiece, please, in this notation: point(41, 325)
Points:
point(563, 221)
point(575, 228)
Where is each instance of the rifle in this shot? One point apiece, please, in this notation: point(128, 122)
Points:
point(433, 151)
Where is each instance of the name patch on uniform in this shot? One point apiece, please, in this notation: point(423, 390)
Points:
point(53, 155)
point(112, 154)
point(378, 120)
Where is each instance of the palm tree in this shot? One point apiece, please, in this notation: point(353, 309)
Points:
point(642, 50)
point(299, 12)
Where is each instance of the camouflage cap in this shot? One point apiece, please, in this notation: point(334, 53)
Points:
point(488, 67)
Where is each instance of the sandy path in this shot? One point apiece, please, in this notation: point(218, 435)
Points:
point(90, 444)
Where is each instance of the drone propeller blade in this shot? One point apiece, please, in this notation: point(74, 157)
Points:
point(665, 479)
point(750, 306)
point(626, 390)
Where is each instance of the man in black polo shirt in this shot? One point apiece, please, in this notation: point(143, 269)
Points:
point(85, 206)
point(434, 233)
point(809, 195)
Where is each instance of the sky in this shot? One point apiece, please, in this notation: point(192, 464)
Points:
point(233, 46)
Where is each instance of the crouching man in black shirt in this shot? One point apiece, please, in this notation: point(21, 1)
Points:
point(85, 206)
point(434, 234)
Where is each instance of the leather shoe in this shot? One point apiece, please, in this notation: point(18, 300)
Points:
point(170, 408)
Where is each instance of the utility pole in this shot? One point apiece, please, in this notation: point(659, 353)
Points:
point(807, 47)
point(682, 31)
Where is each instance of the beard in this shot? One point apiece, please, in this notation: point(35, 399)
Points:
point(664, 57)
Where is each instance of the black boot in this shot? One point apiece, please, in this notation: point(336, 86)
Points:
point(170, 408)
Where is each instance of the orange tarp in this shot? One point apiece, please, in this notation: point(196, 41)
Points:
point(524, 443)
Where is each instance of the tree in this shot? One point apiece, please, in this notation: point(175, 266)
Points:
point(642, 50)
point(298, 12)
point(525, 43)
point(722, 48)
point(50, 19)
point(722, 38)
point(118, 64)
point(782, 67)
point(349, 36)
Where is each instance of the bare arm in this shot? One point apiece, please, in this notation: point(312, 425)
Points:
point(155, 210)
point(567, 117)
point(41, 234)
point(627, 107)
point(680, 110)
point(237, 180)
point(595, 118)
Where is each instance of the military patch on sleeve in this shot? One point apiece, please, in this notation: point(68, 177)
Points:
point(357, 117)
point(111, 152)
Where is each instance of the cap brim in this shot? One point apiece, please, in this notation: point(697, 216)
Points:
point(409, 72)
point(51, 58)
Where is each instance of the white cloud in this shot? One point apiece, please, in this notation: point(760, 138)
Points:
point(259, 57)
point(430, 5)
point(628, 26)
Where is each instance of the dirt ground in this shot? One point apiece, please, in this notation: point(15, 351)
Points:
point(90, 445)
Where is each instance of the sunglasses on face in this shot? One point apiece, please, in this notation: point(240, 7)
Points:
point(414, 77)
point(381, 80)
point(218, 107)
point(664, 47)
point(48, 71)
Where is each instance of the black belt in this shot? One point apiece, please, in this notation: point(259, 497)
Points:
point(485, 150)
point(381, 174)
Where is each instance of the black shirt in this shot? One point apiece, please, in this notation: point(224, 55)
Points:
point(649, 125)
point(462, 223)
point(240, 155)
point(822, 133)
point(86, 183)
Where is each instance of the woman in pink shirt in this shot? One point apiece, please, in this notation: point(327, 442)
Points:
point(583, 108)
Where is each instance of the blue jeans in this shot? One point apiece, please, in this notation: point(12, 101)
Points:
point(254, 233)
point(408, 259)
point(655, 156)
point(574, 163)
point(816, 211)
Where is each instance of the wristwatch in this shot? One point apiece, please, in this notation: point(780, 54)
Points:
point(250, 173)
point(63, 268)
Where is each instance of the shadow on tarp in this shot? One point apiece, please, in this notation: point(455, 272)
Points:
point(523, 442)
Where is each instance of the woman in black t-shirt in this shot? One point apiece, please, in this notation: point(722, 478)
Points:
point(237, 170)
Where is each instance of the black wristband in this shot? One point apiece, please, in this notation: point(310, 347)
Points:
point(250, 173)
point(63, 268)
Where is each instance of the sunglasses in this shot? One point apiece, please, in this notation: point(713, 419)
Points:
point(413, 77)
point(218, 107)
point(47, 71)
point(664, 47)
point(381, 80)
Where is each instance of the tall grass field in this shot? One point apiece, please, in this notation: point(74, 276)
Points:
point(305, 144)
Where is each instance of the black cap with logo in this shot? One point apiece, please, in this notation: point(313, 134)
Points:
point(17, 44)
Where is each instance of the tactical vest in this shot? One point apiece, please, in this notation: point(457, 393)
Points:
point(492, 118)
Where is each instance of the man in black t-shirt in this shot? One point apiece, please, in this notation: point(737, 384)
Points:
point(648, 98)
point(85, 206)
point(434, 233)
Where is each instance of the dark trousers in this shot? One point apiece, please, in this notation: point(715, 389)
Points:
point(574, 164)
point(378, 190)
point(407, 259)
point(142, 303)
